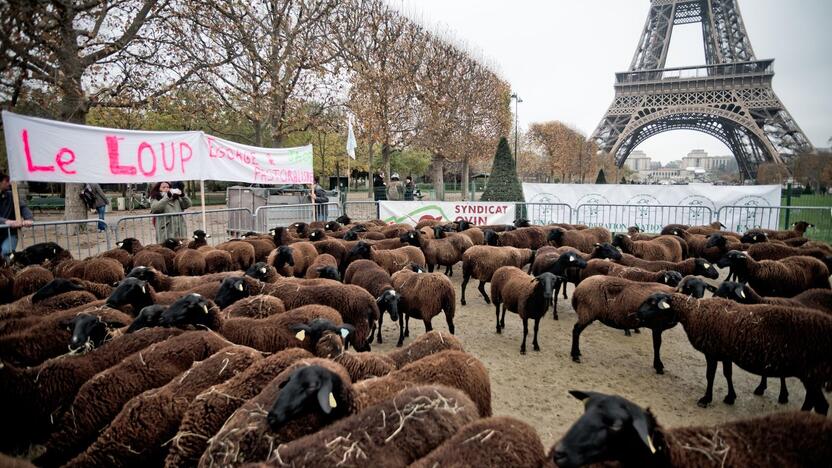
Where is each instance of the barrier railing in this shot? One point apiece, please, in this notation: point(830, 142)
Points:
point(269, 216)
point(744, 218)
point(545, 213)
point(81, 238)
point(649, 218)
point(218, 224)
point(361, 210)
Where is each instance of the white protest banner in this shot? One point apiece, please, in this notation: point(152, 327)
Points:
point(51, 151)
point(622, 206)
point(480, 213)
point(241, 163)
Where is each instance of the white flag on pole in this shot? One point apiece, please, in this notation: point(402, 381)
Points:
point(351, 144)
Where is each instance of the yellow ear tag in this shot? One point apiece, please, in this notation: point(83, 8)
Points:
point(650, 444)
point(334, 404)
point(301, 335)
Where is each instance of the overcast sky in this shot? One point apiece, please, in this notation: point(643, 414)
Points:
point(560, 56)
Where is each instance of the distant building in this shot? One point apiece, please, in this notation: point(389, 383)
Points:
point(638, 161)
point(699, 159)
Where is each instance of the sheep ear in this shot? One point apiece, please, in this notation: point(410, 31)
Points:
point(580, 395)
point(325, 397)
point(571, 258)
point(301, 330)
point(239, 286)
point(707, 265)
point(597, 244)
point(742, 293)
point(640, 425)
point(663, 305)
point(207, 235)
point(205, 308)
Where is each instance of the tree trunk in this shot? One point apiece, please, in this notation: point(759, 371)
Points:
point(466, 167)
point(74, 108)
point(370, 170)
point(439, 176)
point(385, 158)
point(258, 133)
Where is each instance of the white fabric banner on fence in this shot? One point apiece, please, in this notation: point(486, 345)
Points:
point(480, 213)
point(755, 200)
point(50, 151)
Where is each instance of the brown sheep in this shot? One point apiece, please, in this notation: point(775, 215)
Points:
point(638, 439)
point(583, 240)
point(784, 278)
point(376, 281)
point(35, 396)
point(758, 338)
point(691, 266)
point(217, 261)
point(255, 307)
point(208, 411)
point(199, 239)
point(772, 251)
point(667, 248)
point(166, 252)
point(29, 280)
point(819, 299)
point(389, 442)
point(606, 268)
point(799, 230)
point(496, 441)
point(334, 247)
point(262, 247)
point(532, 237)
point(149, 258)
point(391, 260)
point(122, 256)
point(414, 301)
point(189, 262)
point(529, 299)
point(445, 252)
point(322, 261)
point(103, 396)
point(241, 252)
point(137, 435)
point(481, 261)
point(430, 343)
point(99, 270)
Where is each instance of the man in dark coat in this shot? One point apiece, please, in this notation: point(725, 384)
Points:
point(8, 234)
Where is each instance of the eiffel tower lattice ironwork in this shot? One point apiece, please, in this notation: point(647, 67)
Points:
point(730, 98)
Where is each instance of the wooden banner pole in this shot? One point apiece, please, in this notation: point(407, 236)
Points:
point(202, 199)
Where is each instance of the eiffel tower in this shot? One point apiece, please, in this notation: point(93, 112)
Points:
point(730, 98)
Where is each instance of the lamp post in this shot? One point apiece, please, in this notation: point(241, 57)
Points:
point(517, 100)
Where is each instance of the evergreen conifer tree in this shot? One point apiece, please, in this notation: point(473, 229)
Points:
point(601, 178)
point(503, 184)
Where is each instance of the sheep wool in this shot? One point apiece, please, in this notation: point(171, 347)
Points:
point(415, 303)
point(29, 280)
point(255, 307)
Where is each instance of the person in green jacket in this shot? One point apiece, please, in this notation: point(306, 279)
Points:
point(167, 200)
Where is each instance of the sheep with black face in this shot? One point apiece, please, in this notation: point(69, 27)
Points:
point(528, 297)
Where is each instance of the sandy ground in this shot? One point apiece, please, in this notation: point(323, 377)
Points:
point(534, 387)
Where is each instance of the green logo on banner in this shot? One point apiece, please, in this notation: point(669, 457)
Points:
point(412, 215)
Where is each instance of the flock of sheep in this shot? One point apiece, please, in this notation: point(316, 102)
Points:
point(186, 354)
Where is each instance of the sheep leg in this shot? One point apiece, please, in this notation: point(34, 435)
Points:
point(657, 348)
point(627, 332)
point(450, 321)
point(380, 322)
point(503, 318)
point(481, 288)
point(465, 277)
point(449, 271)
point(406, 324)
point(428, 326)
point(761, 389)
point(637, 330)
point(814, 399)
point(783, 398)
point(401, 331)
point(497, 311)
point(709, 375)
point(430, 268)
point(727, 371)
point(576, 337)
point(535, 346)
point(525, 333)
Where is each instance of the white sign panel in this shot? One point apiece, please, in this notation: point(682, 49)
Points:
point(622, 206)
point(50, 151)
point(479, 213)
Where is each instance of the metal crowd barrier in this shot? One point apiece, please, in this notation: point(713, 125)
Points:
point(218, 224)
point(648, 218)
point(744, 218)
point(269, 216)
point(545, 213)
point(81, 238)
point(361, 210)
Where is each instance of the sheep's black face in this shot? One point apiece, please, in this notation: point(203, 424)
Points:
point(199, 234)
point(258, 271)
point(412, 238)
point(633, 230)
point(656, 309)
point(131, 291)
point(284, 256)
point(312, 332)
point(610, 427)
point(316, 235)
point(549, 283)
point(332, 226)
point(53, 288)
point(148, 317)
point(329, 272)
point(350, 235)
point(143, 273)
point(308, 389)
point(753, 237)
point(343, 219)
point(694, 287)
point(510, 227)
point(521, 223)
point(705, 268)
point(361, 250)
point(89, 331)
point(555, 235)
point(572, 260)
point(732, 259)
point(37, 254)
point(389, 302)
point(232, 289)
point(716, 240)
point(801, 226)
point(439, 232)
point(172, 243)
point(671, 278)
point(606, 250)
point(301, 228)
point(734, 291)
point(464, 225)
point(491, 238)
point(130, 244)
point(414, 267)
point(192, 309)
point(619, 240)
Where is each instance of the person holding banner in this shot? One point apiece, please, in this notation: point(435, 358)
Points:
point(167, 200)
point(8, 236)
point(319, 199)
